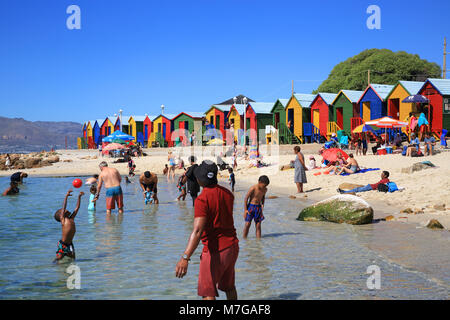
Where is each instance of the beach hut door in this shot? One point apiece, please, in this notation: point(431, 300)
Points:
point(291, 119)
point(394, 108)
point(366, 111)
point(164, 130)
point(277, 119)
point(340, 117)
point(316, 118)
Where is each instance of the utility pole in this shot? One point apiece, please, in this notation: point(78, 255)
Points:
point(444, 69)
point(292, 87)
point(368, 77)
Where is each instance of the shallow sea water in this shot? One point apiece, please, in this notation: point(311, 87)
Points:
point(134, 256)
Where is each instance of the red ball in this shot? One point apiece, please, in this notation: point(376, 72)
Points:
point(77, 183)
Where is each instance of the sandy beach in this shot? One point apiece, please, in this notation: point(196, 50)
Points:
point(426, 191)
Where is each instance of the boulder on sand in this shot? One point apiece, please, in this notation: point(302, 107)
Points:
point(434, 224)
point(339, 209)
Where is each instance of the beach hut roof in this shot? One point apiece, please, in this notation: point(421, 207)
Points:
point(327, 97)
point(412, 87)
point(283, 102)
point(352, 95)
point(224, 107)
point(239, 108)
point(261, 107)
point(168, 116)
point(190, 114)
point(230, 101)
point(442, 85)
point(305, 99)
point(382, 90)
point(139, 118)
point(92, 123)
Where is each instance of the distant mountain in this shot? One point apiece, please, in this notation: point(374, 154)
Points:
point(18, 133)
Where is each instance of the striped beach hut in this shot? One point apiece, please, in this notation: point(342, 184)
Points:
point(397, 109)
point(438, 110)
point(298, 113)
point(184, 124)
point(162, 131)
point(320, 113)
point(346, 110)
point(373, 103)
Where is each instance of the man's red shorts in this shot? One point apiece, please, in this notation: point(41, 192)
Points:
point(217, 271)
point(114, 195)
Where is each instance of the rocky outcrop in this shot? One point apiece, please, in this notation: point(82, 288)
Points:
point(339, 209)
point(418, 167)
point(29, 161)
point(434, 224)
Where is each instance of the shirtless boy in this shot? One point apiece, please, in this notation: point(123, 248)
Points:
point(67, 219)
point(254, 205)
point(149, 183)
point(111, 177)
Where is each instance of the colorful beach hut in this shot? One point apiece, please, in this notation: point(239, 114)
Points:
point(235, 119)
point(90, 134)
point(107, 127)
point(373, 103)
point(136, 128)
point(396, 108)
point(437, 111)
point(124, 124)
point(217, 115)
point(320, 113)
point(85, 131)
point(148, 127)
point(258, 115)
point(184, 124)
point(298, 113)
point(346, 110)
point(162, 130)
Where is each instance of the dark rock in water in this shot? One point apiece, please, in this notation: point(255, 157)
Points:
point(407, 211)
point(339, 209)
point(434, 224)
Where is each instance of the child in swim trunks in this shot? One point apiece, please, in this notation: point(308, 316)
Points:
point(254, 205)
point(67, 219)
point(231, 179)
point(182, 186)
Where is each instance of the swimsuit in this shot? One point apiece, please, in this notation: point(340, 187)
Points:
point(254, 212)
point(148, 197)
point(91, 206)
point(113, 195)
point(65, 249)
point(353, 168)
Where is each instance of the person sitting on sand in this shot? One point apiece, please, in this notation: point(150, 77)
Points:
point(351, 166)
point(18, 177)
point(397, 141)
point(12, 189)
point(92, 180)
point(337, 165)
point(369, 187)
point(413, 147)
point(312, 163)
point(67, 220)
point(149, 183)
point(429, 142)
point(254, 206)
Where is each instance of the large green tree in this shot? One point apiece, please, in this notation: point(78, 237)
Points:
point(386, 67)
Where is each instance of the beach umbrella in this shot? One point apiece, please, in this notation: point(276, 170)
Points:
point(215, 142)
point(113, 146)
point(363, 128)
point(118, 135)
point(418, 98)
point(387, 122)
point(331, 154)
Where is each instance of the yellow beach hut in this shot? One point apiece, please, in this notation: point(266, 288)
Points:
point(297, 113)
point(397, 109)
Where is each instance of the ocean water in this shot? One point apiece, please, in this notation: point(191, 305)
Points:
point(133, 256)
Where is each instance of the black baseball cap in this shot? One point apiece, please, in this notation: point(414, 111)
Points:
point(206, 172)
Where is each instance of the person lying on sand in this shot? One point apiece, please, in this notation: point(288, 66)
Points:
point(369, 187)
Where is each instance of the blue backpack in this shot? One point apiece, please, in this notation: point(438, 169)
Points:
point(392, 187)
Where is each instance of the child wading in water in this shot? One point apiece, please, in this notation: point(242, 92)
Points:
point(231, 179)
point(92, 203)
point(254, 205)
point(67, 219)
point(182, 186)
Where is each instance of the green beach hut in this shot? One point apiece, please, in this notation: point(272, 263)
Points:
point(345, 107)
point(190, 121)
point(279, 119)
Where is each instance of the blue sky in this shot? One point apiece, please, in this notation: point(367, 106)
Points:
point(187, 55)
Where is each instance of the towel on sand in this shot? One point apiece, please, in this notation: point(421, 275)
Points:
point(361, 171)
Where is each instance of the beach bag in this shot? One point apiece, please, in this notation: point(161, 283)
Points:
point(382, 188)
point(392, 187)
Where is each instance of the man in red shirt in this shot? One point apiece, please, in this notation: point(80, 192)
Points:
point(369, 187)
point(214, 225)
